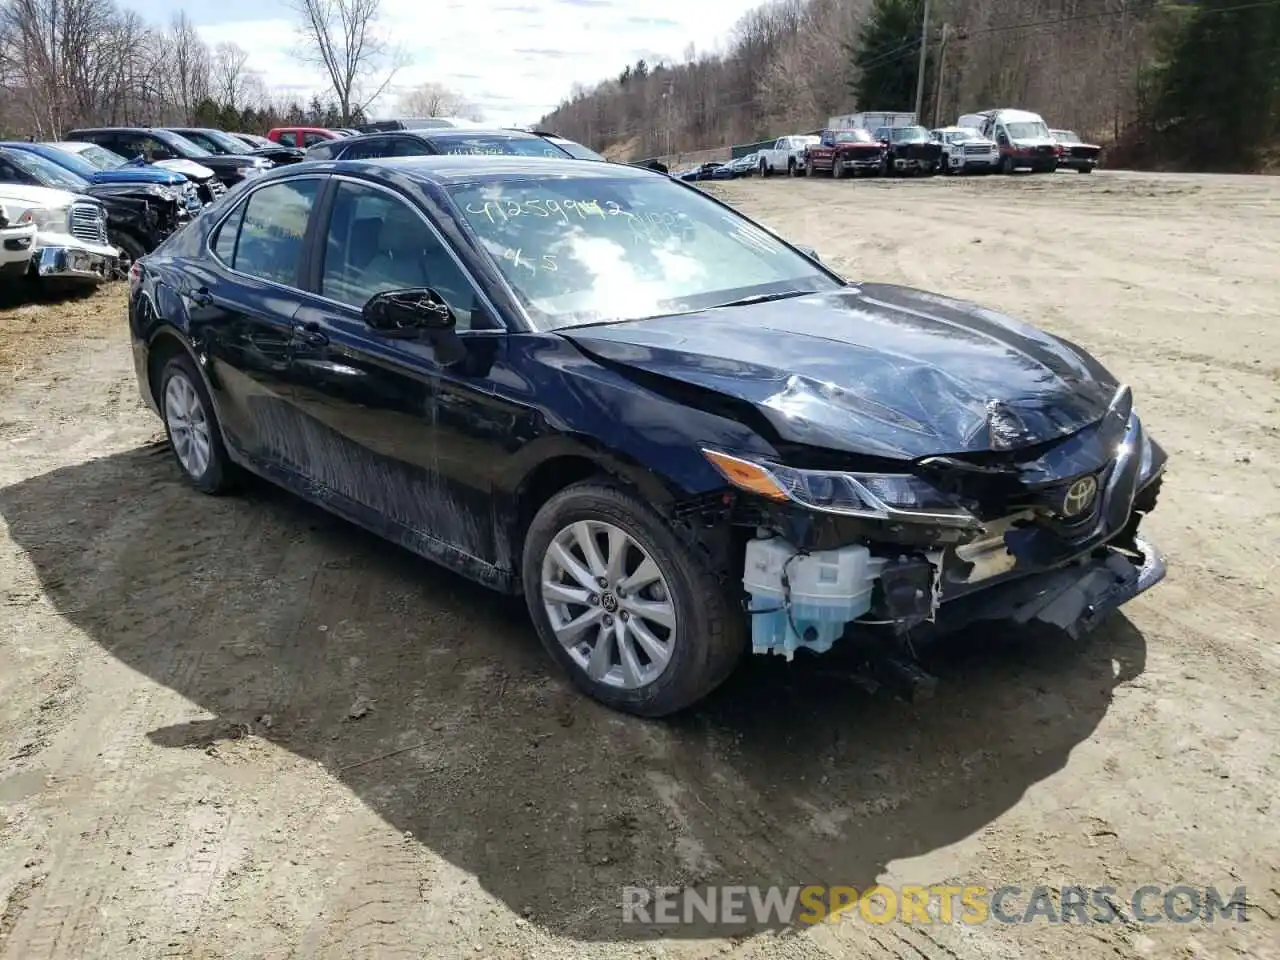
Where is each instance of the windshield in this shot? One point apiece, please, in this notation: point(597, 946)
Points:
point(909, 134)
point(69, 161)
point(101, 157)
point(219, 142)
point(496, 143)
point(46, 171)
point(254, 140)
point(1027, 130)
point(577, 150)
point(959, 136)
point(853, 136)
point(181, 145)
point(598, 249)
point(1065, 136)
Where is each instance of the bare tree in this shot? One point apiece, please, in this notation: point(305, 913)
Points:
point(185, 65)
point(341, 36)
point(230, 74)
point(437, 100)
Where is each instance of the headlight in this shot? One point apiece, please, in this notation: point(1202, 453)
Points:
point(168, 193)
point(248, 171)
point(51, 219)
point(877, 496)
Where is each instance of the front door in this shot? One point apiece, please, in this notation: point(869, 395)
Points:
point(241, 312)
point(391, 432)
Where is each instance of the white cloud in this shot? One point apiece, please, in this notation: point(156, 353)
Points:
point(515, 58)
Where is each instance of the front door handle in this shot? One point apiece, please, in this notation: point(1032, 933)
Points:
point(310, 334)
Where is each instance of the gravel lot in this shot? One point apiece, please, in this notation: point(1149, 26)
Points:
point(240, 728)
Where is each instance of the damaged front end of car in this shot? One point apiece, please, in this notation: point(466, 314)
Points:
point(840, 547)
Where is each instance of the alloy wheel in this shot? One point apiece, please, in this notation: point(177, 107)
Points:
point(188, 425)
point(608, 604)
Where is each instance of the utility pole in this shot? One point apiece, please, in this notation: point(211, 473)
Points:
point(942, 60)
point(924, 49)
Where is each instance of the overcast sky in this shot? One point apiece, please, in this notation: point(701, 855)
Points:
point(515, 58)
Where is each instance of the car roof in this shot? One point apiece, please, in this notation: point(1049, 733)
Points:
point(449, 168)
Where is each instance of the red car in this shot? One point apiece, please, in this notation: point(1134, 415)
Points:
point(302, 137)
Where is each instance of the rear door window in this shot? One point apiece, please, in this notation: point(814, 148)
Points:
point(273, 233)
point(288, 139)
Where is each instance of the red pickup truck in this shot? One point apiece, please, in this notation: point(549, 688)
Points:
point(844, 153)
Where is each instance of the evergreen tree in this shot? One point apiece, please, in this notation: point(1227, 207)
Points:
point(1218, 91)
point(885, 57)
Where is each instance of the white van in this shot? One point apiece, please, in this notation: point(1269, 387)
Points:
point(1022, 136)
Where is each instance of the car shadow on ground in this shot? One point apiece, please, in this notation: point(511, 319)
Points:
point(433, 702)
point(28, 291)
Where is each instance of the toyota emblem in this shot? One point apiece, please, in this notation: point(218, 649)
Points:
point(1079, 497)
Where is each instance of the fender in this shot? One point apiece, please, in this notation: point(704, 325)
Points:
point(162, 328)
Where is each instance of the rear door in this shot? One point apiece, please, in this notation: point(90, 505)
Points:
point(241, 309)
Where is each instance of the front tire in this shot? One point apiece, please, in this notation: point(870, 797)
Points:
point(192, 427)
point(1006, 165)
point(625, 607)
point(131, 249)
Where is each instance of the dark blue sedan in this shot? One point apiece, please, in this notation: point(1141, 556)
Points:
point(678, 436)
point(708, 171)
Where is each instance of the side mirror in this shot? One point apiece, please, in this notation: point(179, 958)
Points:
point(416, 313)
point(407, 311)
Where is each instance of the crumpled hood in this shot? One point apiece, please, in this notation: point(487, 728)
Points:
point(875, 369)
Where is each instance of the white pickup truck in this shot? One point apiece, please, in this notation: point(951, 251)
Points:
point(786, 155)
point(17, 243)
point(70, 232)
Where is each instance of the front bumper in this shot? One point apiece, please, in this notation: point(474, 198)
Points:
point(1075, 598)
point(75, 263)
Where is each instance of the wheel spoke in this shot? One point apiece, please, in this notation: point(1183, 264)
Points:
point(570, 633)
point(585, 537)
point(563, 593)
point(655, 611)
point(601, 655)
point(570, 565)
point(632, 673)
point(644, 575)
point(658, 652)
point(619, 543)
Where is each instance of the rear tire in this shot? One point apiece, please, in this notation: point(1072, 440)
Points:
point(192, 426)
point(601, 567)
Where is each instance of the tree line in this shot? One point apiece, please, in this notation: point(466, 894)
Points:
point(1181, 83)
point(70, 63)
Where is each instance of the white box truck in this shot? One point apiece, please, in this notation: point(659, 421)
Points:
point(870, 120)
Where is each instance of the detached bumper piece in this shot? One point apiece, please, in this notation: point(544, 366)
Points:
point(74, 263)
point(1075, 599)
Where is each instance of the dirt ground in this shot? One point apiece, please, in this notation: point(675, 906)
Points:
point(240, 728)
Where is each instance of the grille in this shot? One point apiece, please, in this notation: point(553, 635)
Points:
point(976, 150)
point(88, 223)
point(216, 187)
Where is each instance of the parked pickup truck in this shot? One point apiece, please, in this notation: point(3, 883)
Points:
point(17, 243)
point(965, 150)
point(844, 153)
point(786, 155)
point(909, 150)
point(1074, 153)
point(71, 232)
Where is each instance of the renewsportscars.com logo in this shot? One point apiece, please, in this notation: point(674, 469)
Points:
point(789, 906)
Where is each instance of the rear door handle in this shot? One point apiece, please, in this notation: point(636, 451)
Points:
point(310, 333)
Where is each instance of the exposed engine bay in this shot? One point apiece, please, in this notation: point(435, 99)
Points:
point(1046, 532)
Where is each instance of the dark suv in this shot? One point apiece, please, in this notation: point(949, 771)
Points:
point(156, 146)
point(417, 143)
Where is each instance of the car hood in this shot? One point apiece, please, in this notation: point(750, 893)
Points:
point(1034, 142)
point(15, 193)
point(874, 369)
point(188, 168)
